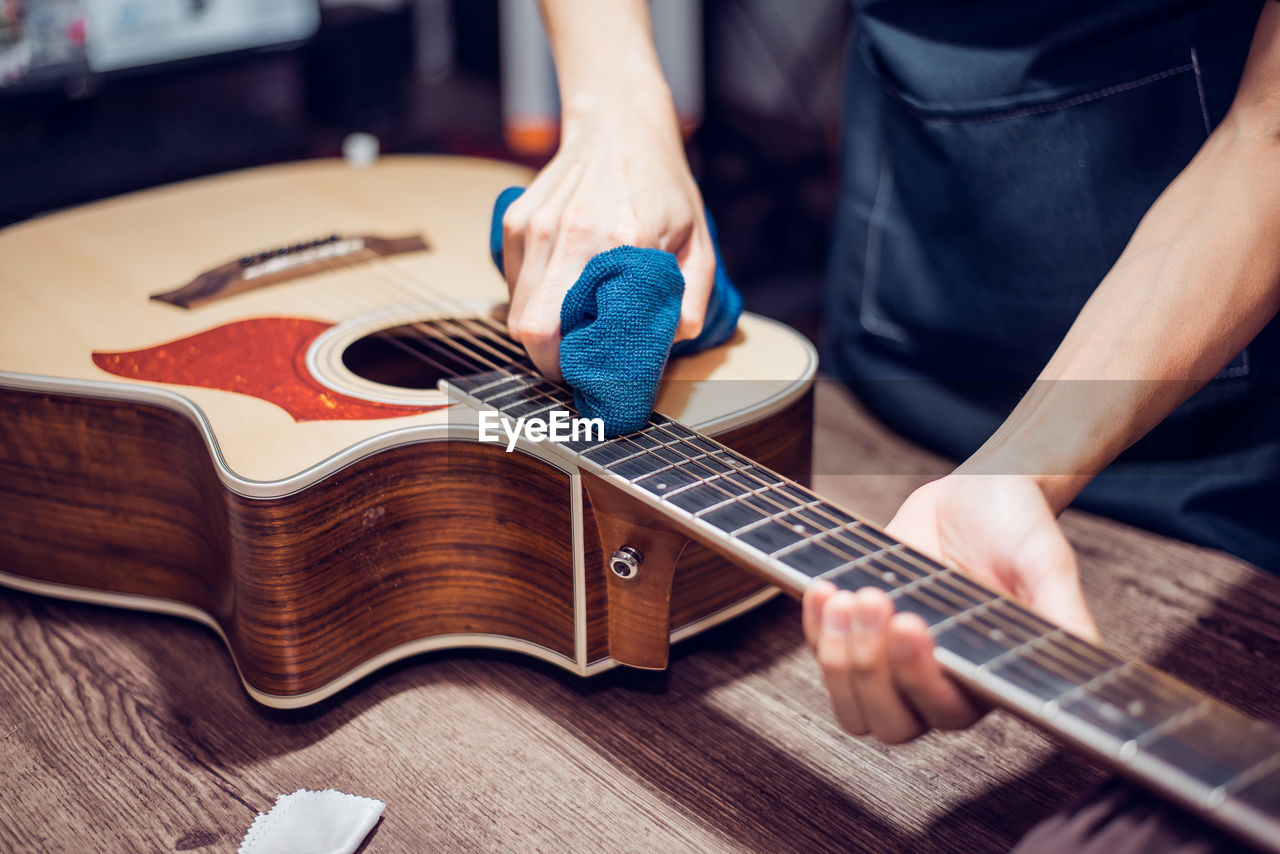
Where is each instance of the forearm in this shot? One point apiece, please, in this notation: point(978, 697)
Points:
point(1198, 280)
point(605, 58)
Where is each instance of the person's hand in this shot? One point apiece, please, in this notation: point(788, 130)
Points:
point(878, 666)
point(619, 178)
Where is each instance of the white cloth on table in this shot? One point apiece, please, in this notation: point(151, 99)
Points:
point(307, 822)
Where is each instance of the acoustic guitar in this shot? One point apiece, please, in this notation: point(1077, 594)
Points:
point(281, 403)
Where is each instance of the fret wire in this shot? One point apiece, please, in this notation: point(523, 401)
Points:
point(919, 588)
point(1104, 660)
point(751, 526)
point(970, 614)
point(961, 584)
point(781, 511)
point(475, 392)
point(1076, 644)
point(988, 666)
point(546, 409)
point(709, 478)
point(507, 400)
point(899, 570)
point(1150, 680)
point(1252, 774)
point(1121, 671)
point(1018, 618)
point(842, 544)
point(1125, 704)
point(1040, 645)
point(664, 467)
point(1173, 724)
point(500, 391)
point(1037, 654)
point(994, 621)
point(997, 621)
point(973, 618)
point(710, 482)
point(952, 581)
point(539, 391)
point(1159, 676)
point(1099, 681)
point(853, 564)
point(715, 475)
point(821, 535)
point(629, 445)
point(916, 584)
point(551, 393)
point(1068, 669)
point(1013, 614)
point(728, 496)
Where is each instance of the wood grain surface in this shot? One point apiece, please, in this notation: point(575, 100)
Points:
point(126, 732)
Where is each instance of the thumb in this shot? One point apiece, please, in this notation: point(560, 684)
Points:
point(1053, 581)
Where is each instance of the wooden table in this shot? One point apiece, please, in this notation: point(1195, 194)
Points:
point(122, 731)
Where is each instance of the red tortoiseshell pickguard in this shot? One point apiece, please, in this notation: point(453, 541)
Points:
point(264, 357)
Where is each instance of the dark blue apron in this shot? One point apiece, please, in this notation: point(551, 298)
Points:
point(997, 157)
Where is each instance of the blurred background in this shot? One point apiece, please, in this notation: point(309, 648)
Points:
point(101, 97)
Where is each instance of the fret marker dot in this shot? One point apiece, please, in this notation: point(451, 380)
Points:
point(660, 486)
point(996, 635)
point(798, 528)
point(1136, 708)
point(889, 576)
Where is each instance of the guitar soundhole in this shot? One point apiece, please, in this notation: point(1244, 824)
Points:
point(417, 356)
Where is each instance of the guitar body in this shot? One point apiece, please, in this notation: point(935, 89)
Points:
point(209, 409)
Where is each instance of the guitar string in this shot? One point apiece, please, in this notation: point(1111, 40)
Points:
point(366, 259)
point(406, 288)
point(1064, 660)
point(1073, 671)
point(1077, 672)
point(877, 537)
point(1072, 649)
point(938, 593)
point(491, 328)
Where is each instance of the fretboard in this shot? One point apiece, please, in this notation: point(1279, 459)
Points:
point(1164, 733)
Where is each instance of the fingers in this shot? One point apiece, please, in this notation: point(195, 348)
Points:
point(534, 317)
point(836, 660)
point(532, 224)
point(697, 260)
point(815, 600)
point(879, 666)
point(888, 716)
point(937, 700)
point(576, 208)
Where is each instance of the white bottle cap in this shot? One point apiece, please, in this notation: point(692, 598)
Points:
point(360, 150)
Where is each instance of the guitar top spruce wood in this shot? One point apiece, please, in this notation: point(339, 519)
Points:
point(257, 401)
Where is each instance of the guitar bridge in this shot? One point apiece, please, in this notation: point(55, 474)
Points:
point(285, 263)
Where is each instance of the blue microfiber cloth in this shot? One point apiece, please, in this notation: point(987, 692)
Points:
point(618, 321)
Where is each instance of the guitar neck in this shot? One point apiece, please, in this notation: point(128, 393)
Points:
point(1172, 738)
